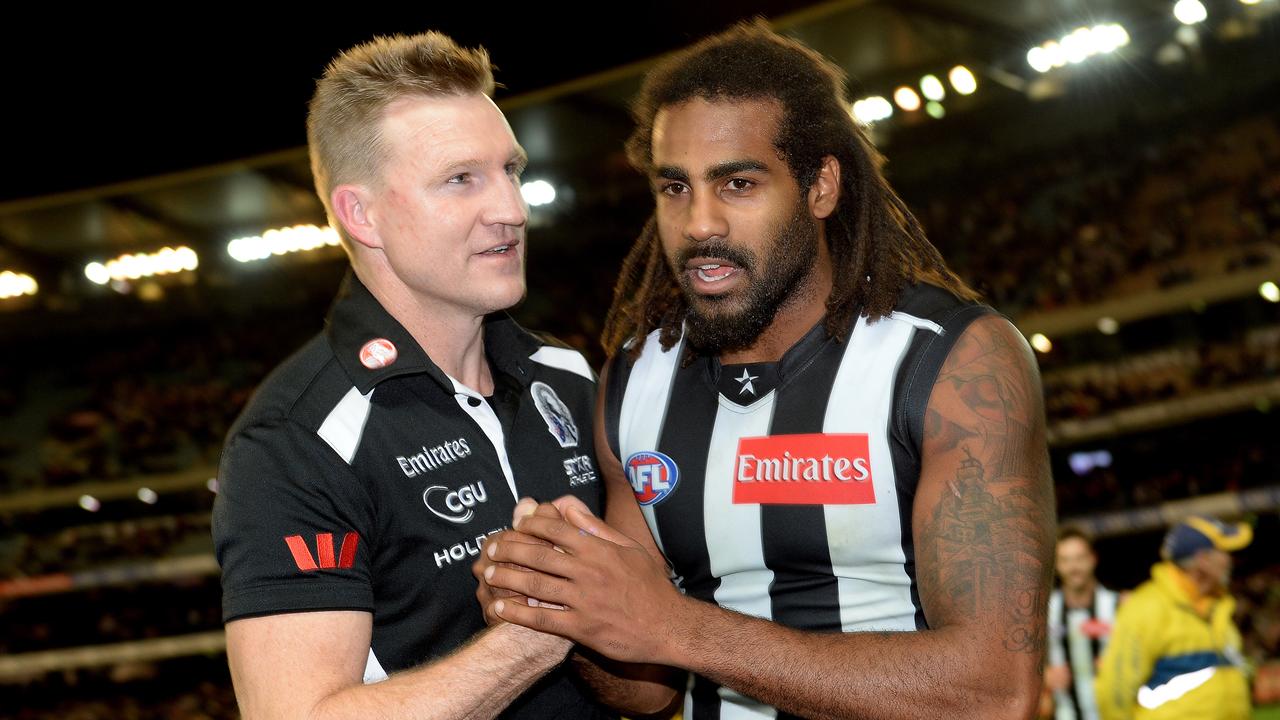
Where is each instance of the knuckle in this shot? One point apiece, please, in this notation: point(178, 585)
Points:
point(544, 620)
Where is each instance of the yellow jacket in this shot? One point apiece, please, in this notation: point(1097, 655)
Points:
point(1173, 655)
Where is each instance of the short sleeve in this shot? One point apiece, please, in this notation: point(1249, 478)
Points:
point(292, 525)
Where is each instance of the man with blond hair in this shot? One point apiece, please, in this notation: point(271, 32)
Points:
point(361, 480)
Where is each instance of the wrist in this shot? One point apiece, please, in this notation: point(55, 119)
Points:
point(677, 646)
point(537, 647)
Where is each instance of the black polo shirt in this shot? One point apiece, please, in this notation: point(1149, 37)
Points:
point(362, 477)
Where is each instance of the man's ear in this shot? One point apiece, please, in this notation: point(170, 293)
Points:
point(352, 205)
point(824, 193)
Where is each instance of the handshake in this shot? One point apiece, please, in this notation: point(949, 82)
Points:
point(563, 571)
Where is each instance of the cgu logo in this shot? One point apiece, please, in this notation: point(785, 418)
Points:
point(454, 505)
point(324, 549)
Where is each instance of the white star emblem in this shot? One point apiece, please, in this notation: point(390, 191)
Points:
point(746, 379)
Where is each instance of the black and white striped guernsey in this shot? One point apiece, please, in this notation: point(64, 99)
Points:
point(1077, 638)
point(784, 490)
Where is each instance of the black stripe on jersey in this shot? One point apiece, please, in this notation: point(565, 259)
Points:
point(1095, 642)
point(1077, 709)
point(804, 593)
point(687, 435)
point(914, 385)
point(706, 699)
point(906, 472)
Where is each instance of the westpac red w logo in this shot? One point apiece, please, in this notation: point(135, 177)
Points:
point(324, 550)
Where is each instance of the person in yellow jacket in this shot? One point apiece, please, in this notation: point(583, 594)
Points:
point(1174, 650)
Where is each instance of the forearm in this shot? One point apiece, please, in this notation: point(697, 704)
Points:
point(477, 681)
point(635, 689)
point(952, 672)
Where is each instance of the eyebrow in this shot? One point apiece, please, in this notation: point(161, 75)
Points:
point(518, 156)
point(716, 172)
point(733, 167)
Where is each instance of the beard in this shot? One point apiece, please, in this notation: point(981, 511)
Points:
point(734, 321)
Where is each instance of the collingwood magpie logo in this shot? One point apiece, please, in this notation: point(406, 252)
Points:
point(556, 414)
point(746, 381)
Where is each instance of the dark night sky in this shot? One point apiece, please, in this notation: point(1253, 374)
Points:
point(88, 100)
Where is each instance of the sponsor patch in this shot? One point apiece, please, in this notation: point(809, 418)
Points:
point(454, 505)
point(809, 469)
point(378, 354)
point(325, 558)
point(1095, 629)
point(653, 476)
point(580, 470)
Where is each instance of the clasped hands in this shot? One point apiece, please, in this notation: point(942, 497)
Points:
point(561, 570)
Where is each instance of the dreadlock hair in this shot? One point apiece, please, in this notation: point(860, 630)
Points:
point(877, 246)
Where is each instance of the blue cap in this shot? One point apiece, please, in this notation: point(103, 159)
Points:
point(1195, 533)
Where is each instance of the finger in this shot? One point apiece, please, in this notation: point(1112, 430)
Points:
point(526, 506)
point(539, 586)
point(584, 520)
point(556, 622)
point(533, 557)
point(515, 535)
point(547, 510)
point(558, 532)
point(486, 605)
point(564, 502)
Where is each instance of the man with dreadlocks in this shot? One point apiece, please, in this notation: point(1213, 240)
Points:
point(840, 454)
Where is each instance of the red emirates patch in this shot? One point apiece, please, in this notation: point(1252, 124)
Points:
point(811, 469)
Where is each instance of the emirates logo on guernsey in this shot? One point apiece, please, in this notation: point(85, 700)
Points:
point(811, 469)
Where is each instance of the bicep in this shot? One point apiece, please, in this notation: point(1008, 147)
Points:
point(283, 665)
point(984, 510)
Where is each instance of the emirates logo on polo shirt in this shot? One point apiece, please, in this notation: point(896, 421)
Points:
point(810, 469)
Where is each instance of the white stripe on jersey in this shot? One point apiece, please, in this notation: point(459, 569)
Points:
point(734, 542)
point(564, 359)
point(373, 671)
point(866, 554)
point(344, 425)
point(488, 421)
point(644, 407)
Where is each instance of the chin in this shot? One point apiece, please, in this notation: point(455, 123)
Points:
point(502, 298)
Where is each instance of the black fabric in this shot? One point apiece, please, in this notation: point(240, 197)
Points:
point(422, 489)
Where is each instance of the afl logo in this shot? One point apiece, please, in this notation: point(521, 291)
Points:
point(652, 475)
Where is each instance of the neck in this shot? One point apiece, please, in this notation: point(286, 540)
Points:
point(453, 338)
point(1080, 596)
point(803, 309)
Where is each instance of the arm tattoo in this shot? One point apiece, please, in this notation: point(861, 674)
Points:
point(991, 530)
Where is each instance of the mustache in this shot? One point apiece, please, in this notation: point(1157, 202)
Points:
point(714, 248)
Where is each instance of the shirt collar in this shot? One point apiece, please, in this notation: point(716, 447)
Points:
point(357, 319)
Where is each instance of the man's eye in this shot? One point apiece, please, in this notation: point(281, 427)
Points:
point(740, 184)
point(460, 179)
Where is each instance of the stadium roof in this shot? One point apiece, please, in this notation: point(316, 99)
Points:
point(131, 133)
